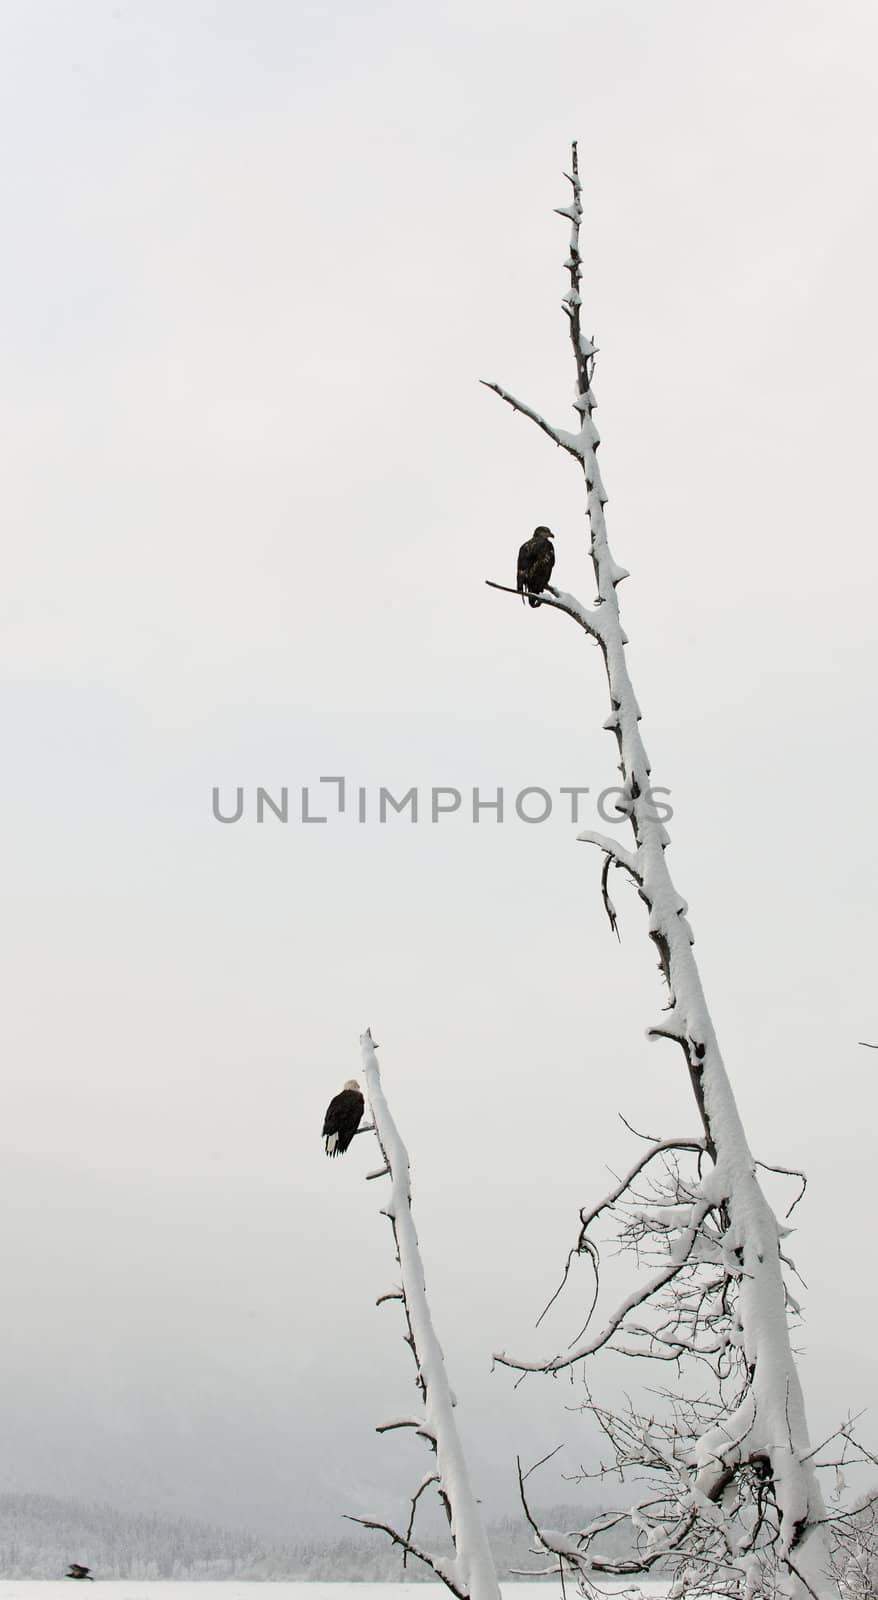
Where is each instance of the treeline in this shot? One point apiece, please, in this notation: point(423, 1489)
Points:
point(40, 1536)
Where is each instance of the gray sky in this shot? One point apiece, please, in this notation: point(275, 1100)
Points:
point(255, 259)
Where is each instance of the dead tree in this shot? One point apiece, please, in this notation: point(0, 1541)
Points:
point(737, 1509)
point(470, 1572)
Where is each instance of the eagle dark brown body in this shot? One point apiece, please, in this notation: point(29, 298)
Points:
point(536, 558)
point(343, 1116)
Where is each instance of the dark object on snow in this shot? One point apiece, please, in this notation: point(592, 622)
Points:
point(76, 1571)
point(536, 558)
point(343, 1118)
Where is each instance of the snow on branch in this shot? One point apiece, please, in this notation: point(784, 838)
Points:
point(589, 620)
point(469, 1573)
point(738, 1509)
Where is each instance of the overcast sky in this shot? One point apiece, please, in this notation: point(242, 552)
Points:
point(255, 259)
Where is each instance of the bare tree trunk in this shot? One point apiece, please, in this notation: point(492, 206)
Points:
point(470, 1573)
point(723, 1217)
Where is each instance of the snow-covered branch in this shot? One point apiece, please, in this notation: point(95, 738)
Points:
point(550, 596)
point(470, 1572)
point(557, 435)
point(615, 852)
point(746, 1509)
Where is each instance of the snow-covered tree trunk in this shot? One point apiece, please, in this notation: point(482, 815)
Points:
point(721, 1222)
point(470, 1572)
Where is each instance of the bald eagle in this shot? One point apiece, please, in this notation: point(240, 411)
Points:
point(343, 1118)
point(76, 1571)
point(536, 558)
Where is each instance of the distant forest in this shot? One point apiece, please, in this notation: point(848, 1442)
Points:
point(40, 1536)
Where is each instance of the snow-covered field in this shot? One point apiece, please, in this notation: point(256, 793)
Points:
point(137, 1589)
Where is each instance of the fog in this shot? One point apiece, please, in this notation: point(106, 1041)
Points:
point(256, 259)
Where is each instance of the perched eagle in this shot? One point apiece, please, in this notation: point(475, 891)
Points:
point(536, 558)
point(343, 1118)
point(76, 1571)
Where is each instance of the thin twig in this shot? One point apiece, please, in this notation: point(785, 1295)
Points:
point(433, 1562)
point(787, 1172)
point(608, 904)
point(585, 1247)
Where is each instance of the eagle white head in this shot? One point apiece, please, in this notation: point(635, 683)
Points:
point(352, 1084)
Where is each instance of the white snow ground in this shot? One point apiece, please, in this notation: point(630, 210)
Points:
point(147, 1589)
